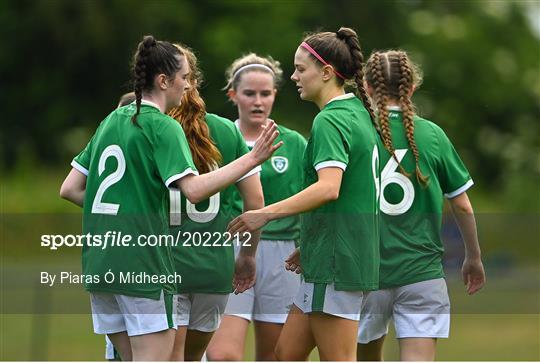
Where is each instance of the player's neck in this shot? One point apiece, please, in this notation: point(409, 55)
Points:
point(328, 94)
point(250, 131)
point(159, 101)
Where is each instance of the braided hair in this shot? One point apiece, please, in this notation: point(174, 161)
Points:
point(152, 57)
point(393, 76)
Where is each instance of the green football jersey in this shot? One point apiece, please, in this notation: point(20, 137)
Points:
point(205, 256)
point(128, 169)
point(411, 248)
point(281, 177)
point(339, 241)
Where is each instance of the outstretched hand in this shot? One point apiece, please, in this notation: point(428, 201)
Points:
point(244, 273)
point(263, 148)
point(474, 276)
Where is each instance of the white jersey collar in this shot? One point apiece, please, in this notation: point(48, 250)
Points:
point(150, 103)
point(346, 96)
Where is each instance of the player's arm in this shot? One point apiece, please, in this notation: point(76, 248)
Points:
point(252, 195)
point(325, 190)
point(473, 270)
point(250, 189)
point(197, 188)
point(74, 187)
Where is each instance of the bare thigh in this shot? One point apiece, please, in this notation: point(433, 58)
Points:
point(179, 344)
point(196, 344)
point(417, 349)
point(332, 346)
point(121, 344)
point(372, 351)
point(228, 341)
point(296, 341)
point(266, 337)
point(154, 346)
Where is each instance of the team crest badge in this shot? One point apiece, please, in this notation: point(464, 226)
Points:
point(280, 163)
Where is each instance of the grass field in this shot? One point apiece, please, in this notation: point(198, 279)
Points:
point(473, 337)
point(500, 323)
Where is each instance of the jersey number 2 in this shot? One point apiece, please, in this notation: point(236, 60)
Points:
point(99, 207)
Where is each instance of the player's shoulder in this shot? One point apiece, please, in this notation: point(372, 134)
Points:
point(158, 124)
point(289, 134)
point(219, 121)
point(223, 131)
point(423, 125)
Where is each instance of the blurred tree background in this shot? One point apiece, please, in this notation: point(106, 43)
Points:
point(64, 64)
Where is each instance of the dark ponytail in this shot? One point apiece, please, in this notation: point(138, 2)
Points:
point(342, 50)
point(350, 38)
point(152, 57)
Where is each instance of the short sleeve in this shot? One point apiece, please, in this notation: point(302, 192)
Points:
point(81, 162)
point(171, 152)
point(454, 177)
point(330, 143)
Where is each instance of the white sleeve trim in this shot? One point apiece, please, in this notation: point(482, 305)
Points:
point(254, 171)
point(79, 167)
point(331, 164)
point(180, 176)
point(460, 190)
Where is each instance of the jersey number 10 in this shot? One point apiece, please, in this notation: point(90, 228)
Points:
point(196, 216)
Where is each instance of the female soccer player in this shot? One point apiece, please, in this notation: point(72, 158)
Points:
point(339, 233)
point(413, 290)
point(252, 87)
point(203, 257)
point(121, 180)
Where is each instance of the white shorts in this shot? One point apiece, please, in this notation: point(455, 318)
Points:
point(271, 298)
point(419, 310)
point(201, 312)
point(324, 298)
point(109, 349)
point(114, 313)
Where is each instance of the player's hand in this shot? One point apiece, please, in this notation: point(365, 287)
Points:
point(263, 148)
point(244, 273)
point(292, 263)
point(474, 276)
point(249, 221)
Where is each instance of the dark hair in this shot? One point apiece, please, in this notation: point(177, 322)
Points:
point(126, 99)
point(342, 50)
point(392, 76)
point(153, 57)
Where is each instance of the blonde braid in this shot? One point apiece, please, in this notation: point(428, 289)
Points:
point(381, 99)
point(405, 88)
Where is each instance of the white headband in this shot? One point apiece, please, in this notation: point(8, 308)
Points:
point(253, 65)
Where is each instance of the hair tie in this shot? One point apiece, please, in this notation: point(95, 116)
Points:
point(316, 55)
point(252, 65)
